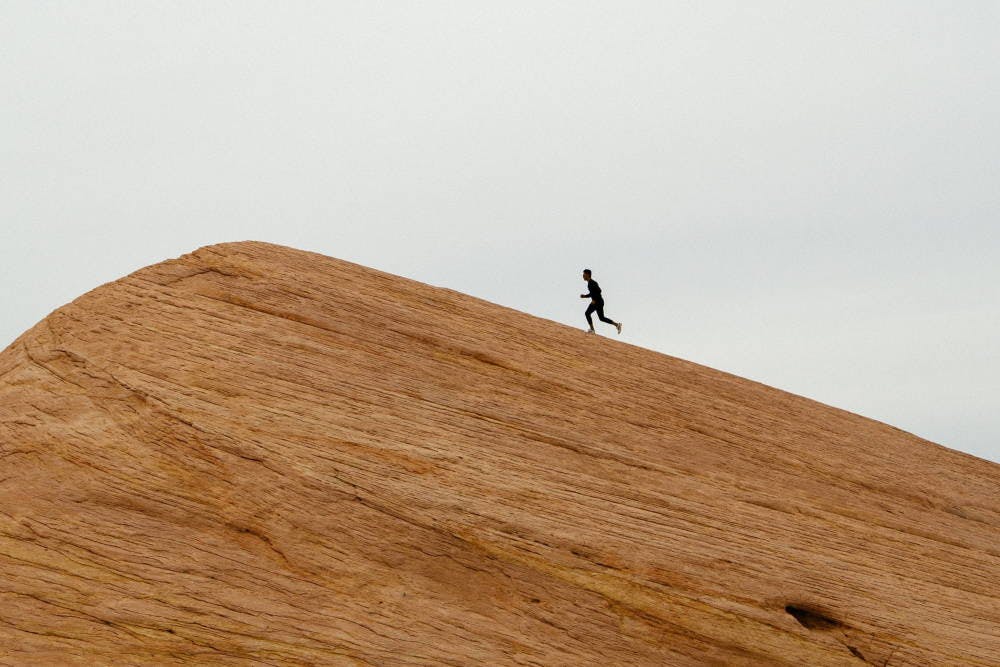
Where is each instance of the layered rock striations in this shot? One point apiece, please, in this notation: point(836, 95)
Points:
point(257, 455)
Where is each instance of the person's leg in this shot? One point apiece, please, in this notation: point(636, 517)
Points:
point(591, 308)
point(600, 316)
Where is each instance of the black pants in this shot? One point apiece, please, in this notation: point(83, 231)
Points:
point(599, 307)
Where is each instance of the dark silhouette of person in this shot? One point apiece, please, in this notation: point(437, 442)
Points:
point(596, 303)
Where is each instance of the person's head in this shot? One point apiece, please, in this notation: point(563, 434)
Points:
point(586, 274)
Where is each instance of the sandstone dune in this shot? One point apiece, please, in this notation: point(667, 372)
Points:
point(258, 455)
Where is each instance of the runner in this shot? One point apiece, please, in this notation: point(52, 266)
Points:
point(596, 303)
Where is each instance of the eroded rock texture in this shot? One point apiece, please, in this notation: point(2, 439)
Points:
point(256, 455)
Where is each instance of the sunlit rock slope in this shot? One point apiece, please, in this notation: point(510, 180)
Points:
point(257, 455)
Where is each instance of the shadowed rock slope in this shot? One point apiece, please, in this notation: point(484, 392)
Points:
point(257, 455)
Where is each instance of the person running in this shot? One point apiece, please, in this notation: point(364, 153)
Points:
point(596, 303)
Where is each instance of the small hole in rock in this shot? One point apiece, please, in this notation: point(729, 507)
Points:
point(812, 619)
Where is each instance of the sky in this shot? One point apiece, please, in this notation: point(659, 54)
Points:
point(801, 193)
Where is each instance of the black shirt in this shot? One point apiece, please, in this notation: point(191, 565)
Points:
point(595, 291)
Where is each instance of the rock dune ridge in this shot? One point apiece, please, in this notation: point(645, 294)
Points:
point(257, 455)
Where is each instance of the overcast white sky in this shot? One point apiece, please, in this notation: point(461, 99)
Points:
point(801, 193)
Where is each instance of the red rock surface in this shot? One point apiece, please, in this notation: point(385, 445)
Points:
point(257, 455)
